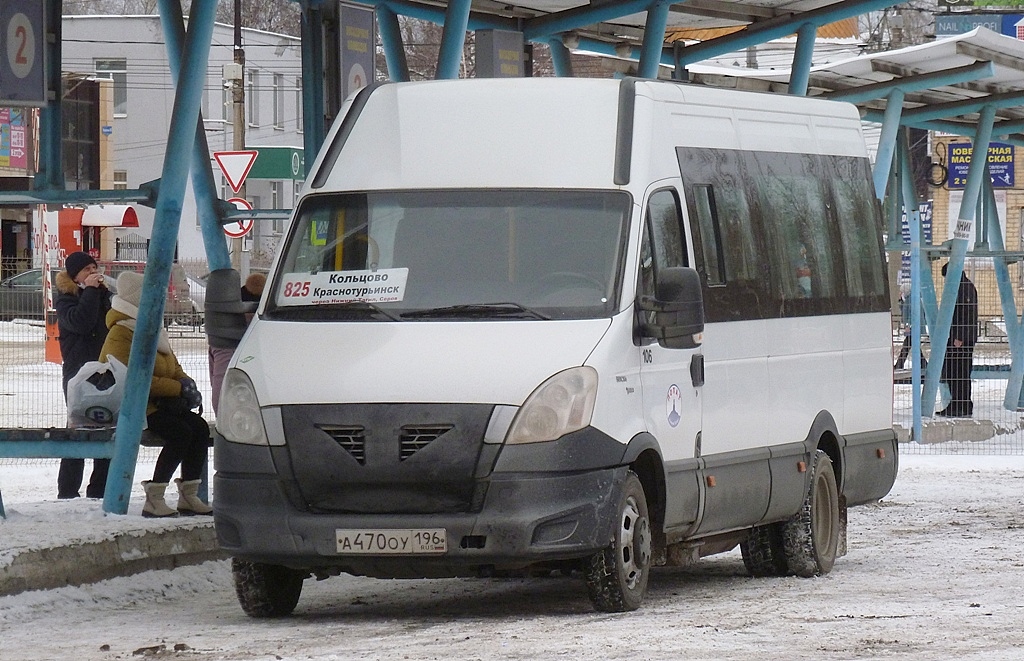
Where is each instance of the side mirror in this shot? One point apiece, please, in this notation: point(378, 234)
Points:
point(677, 321)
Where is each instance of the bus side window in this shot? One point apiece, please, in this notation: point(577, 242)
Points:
point(710, 233)
point(665, 225)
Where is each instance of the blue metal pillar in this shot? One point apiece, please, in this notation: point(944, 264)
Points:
point(887, 145)
point(963, 232)
point(1011, 399)
point(203, 186)
point(802, 58)
point(394, 48)
point(560, 58)
point(453, 38)
point(314, 131)
point(654, 39)
point(50, 175)
point(180, 139)
point(909, 204)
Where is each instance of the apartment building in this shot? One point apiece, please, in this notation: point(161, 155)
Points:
point(130, 51)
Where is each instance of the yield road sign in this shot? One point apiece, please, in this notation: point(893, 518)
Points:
point(235, 165)
point(236, 229)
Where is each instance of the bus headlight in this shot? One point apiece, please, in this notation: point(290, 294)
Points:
point(239, 419)
point(562, 404)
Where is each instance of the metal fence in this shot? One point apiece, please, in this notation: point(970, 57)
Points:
point(30, 386)
point(992, 428)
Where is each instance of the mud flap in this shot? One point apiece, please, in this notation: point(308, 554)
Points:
point(843, 518)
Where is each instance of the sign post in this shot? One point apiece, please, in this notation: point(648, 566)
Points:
point(236, 165)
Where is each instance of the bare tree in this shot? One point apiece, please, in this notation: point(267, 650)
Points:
point(281, 16)
point(907, 24)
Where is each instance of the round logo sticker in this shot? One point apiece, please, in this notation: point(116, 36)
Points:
point(673, 403)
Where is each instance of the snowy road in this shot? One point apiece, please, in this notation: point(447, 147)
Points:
point(935, 571)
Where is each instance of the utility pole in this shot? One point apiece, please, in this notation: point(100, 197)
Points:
point(238, 133)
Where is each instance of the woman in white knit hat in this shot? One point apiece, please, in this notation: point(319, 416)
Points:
point(172, 396)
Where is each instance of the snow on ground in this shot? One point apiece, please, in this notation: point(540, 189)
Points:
point(934, 571)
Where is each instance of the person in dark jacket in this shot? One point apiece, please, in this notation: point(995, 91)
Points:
point(82, 303)
point(229, 309)
point(963, 334)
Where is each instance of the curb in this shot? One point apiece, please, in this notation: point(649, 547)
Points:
point(123, 554)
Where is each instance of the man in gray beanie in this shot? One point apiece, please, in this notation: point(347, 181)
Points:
point(82, 302)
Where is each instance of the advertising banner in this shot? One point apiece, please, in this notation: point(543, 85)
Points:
point(358, 41)
point(1000, 164)
point(1011, 25)
point(925, 209)
point(13, 146)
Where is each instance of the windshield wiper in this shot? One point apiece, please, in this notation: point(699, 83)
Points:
point(476, 310)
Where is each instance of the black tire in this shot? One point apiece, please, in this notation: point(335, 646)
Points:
point(266, 590)
point(617, 576)
point(811, 538)
point(764, 553)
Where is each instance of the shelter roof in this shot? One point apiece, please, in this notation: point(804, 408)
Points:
point(695, 13)
point(844, 29)
point(860, 75)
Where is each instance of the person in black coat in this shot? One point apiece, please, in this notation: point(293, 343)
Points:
point(82, 303)
point(963, 335)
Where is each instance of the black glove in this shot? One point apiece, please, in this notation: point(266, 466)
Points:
point(190, 393)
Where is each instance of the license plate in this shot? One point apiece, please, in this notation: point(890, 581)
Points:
point(392, 542)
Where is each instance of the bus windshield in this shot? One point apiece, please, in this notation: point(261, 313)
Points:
point(481, 254)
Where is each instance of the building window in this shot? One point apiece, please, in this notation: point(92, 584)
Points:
point(275, 195)
point(117, 71)
point(253, 97)
point(278, 101)
point(226, 104)
point(298, 105)
point(120, 180)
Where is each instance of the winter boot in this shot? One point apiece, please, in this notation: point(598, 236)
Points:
point(189, 503)
point(155, 506)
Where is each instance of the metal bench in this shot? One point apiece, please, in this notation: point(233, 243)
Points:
point(72, 442)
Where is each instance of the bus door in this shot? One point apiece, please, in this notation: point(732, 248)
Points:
point(672, 379)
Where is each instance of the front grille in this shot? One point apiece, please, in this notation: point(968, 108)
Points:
point(351, 438)
point(416, 437)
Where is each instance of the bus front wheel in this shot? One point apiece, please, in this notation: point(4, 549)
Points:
point(617, 576)
point(266, 590)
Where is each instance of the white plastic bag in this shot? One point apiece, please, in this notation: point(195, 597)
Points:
point(94, 394)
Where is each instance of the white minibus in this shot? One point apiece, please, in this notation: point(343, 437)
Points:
point(584, 326)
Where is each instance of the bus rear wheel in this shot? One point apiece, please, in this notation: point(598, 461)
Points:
point(617, 576)
point(763, 551)
point(811, 537)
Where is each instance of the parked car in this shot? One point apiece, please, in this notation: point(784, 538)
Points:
point(21, 295)
point(197, 293)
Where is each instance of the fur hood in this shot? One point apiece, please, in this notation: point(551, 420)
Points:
point(65, 285)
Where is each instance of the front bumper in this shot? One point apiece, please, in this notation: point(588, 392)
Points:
point(525, 518)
